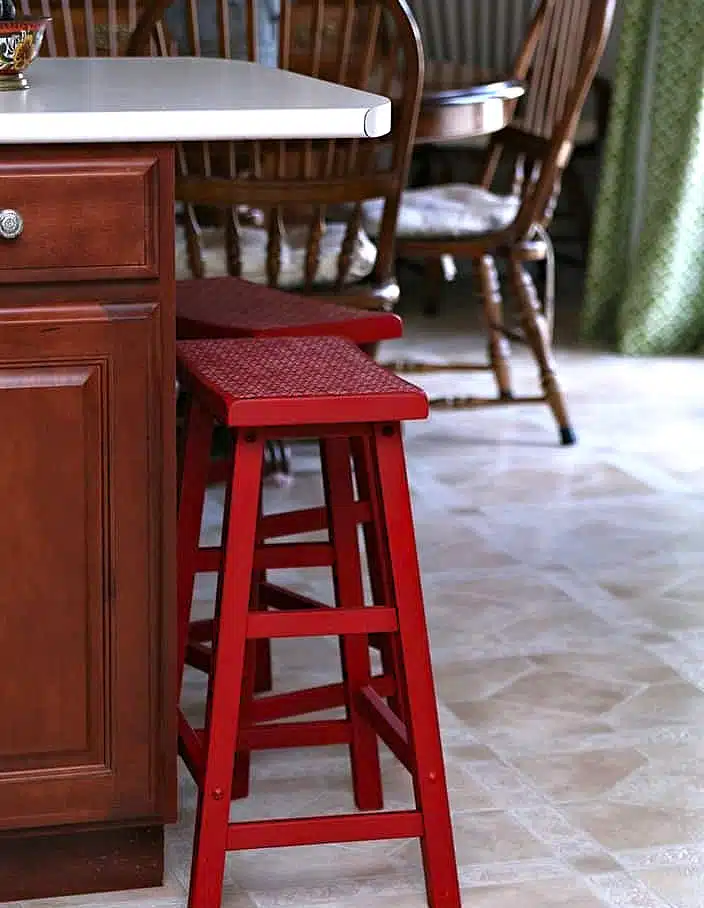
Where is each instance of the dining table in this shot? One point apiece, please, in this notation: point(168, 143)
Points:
point(460, 102)
point(87, 462)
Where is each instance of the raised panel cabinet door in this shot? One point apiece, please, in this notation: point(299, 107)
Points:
point(84, 638)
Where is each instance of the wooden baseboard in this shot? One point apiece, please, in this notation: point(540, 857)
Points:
point(59, 863)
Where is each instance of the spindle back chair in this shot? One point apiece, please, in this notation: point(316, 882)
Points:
point(89, 28)
point(366, 44)
point(558, 62)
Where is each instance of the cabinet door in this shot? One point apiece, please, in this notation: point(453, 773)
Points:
point(81, 566)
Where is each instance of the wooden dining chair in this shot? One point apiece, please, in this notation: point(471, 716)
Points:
point(289, 213)
point(485, 36)
point(558, 61)
point(90, 28)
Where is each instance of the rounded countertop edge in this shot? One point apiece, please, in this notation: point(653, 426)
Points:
point(377, 120)
point(119, 127)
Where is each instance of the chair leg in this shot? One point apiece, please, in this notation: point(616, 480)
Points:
point(429, 782)
point(195, 461)
point(349, 593)
point(226, 677)
point(537, 334)
point(499, 347)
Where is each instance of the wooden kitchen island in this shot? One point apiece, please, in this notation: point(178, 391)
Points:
point(87, 473)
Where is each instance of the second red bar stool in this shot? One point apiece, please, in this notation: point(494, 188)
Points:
point(229, 307)
point(328, 389)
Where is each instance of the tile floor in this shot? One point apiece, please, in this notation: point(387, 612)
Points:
point(565, 595)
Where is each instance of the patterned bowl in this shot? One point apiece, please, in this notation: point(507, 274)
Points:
point(20, 40)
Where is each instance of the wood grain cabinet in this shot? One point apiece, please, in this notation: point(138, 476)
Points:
point(87, 737)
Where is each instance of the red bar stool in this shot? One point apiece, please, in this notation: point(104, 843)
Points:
point(323, 388)
point(231, 307)
point(226, 307)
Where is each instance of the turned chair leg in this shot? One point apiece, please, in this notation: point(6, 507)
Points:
point(499, 347)
point(537, 334)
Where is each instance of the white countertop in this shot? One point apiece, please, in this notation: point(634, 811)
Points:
point(150, 99)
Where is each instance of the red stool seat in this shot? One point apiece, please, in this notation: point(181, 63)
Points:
point(231, 307)
point(323, 388)
point(296, 376)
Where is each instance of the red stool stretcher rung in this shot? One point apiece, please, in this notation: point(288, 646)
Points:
point(316, 733)
point(399, 824)
point(324, 622)
point(387, 725)
point(327, 389)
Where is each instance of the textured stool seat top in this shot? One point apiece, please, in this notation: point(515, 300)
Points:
point(294, 381)
point(231, 307)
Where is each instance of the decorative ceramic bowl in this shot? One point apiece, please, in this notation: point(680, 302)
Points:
point(20, 40)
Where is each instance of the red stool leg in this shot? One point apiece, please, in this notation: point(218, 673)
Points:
point(377, 557)
point(422, 718)
point(263, 671)
point(226, 677)
point(194, 479)
point(349, 593)
point(243, 758)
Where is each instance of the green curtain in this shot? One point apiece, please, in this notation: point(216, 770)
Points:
point(645, 282)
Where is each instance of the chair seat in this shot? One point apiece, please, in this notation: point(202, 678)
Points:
point(285, 381)
point(452, 210)
point(253, 255)
point(231, 307)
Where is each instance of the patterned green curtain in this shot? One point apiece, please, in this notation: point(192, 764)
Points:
point(645, 284)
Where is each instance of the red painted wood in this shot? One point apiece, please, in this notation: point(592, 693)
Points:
point(417, 685)
point(387, 725)
point(307, 520)
point(402, 824)
point(237, 722)
point(227, 676)
point(282, 555)
point(349, 597)
point(324, 622)
point(311, 700)
point(296, 734)
point(231, 307)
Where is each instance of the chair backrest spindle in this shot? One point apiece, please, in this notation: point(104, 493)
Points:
point(558, 61)
point(292, 187)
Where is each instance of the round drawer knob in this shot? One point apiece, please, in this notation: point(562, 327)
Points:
point(11, 224)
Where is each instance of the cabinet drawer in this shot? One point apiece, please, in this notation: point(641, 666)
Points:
point(80, 220)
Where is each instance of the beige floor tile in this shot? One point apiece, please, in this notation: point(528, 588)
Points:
point(567, 692)
point(622, 826)
point(559, 893)
point(620, 890)
point(615, 662)
point(459, 680)
point(558, 481)
point(661, 704)
point(494, 837)
point(511, 727)
point(683, 887)
point(581, 776)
